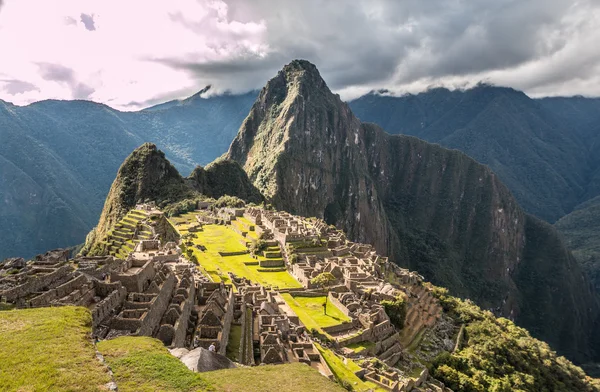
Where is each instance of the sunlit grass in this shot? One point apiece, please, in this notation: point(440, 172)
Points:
point(310, 311)
point(142, 364)
point(49, 349)
point(296, 377)
point(345, 371)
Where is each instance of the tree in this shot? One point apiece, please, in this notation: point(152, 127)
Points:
point(324, 280)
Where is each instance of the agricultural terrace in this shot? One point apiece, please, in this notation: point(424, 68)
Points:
point(222, 238)
point(310, 312)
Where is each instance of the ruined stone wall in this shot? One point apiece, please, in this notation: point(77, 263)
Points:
point(59, 292)
point(36, 283)
point(227, 319)
point(106, 307)
point(343, 327)
point(181, 325)
point(152, 319)
point(340, 306)
point(135, 283)
point(270, 263)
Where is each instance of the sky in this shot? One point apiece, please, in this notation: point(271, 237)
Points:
point(133, 54)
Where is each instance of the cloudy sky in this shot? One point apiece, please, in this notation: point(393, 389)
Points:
point(130, 54)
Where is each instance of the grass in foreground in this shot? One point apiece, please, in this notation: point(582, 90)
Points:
point(310, 311)
point(144, 364)
point(296, 377)
point(49, 349)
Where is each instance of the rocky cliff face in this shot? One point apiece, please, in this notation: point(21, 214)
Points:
point(429, 208)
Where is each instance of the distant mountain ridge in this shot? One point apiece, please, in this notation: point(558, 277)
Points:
point(433, 210)
point(536, 152)
point(58, 159)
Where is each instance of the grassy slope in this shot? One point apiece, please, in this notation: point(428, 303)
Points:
point(49, 349)
point(144, 364)
point(272, 378)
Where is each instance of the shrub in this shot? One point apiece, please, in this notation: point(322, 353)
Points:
point(229, 201)
point(396, 310)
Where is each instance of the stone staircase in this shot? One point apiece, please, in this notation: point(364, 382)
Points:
point(127, 233)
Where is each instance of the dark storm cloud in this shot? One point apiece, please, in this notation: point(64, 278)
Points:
point(380, 42)
point(13, 86)
point(61, 74)
point(88, 21)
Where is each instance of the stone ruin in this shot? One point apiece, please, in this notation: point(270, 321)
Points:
point(156, 292)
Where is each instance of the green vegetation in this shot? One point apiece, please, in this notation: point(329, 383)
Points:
point(344, 372)
point(581, 229)
point(229, 201)
point(324, 280)
point(233, 346)
point(296, 377)
point(310, 312)
point(396, 310)
point(222, 238)
point(360, 347)
point(183, 206)
point(121, 239)
point(142, 364)
point(496, 355)
point(49, 349)
point(451, 219)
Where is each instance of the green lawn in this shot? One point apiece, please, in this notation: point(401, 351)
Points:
point(49, 349)
point(296, 377)
point(359, 347)
point(144, 364)
point(345, 371)
point(219, 238)
point(310, 311)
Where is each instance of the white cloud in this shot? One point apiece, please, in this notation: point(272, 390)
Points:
point(130, 52)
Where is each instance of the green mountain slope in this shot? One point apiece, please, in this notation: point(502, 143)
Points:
point(581, 229)
point(59, 158)
point(147, 175)
point(431, 209)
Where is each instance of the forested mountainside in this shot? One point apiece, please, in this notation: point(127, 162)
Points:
point(431, 209)
point(544, 150)
point(581, 229)
point(147, 175)
point(58, 159)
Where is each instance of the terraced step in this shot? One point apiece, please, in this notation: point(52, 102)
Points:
point(139, 214)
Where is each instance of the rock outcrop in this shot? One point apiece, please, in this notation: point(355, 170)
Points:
point(430, 209)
